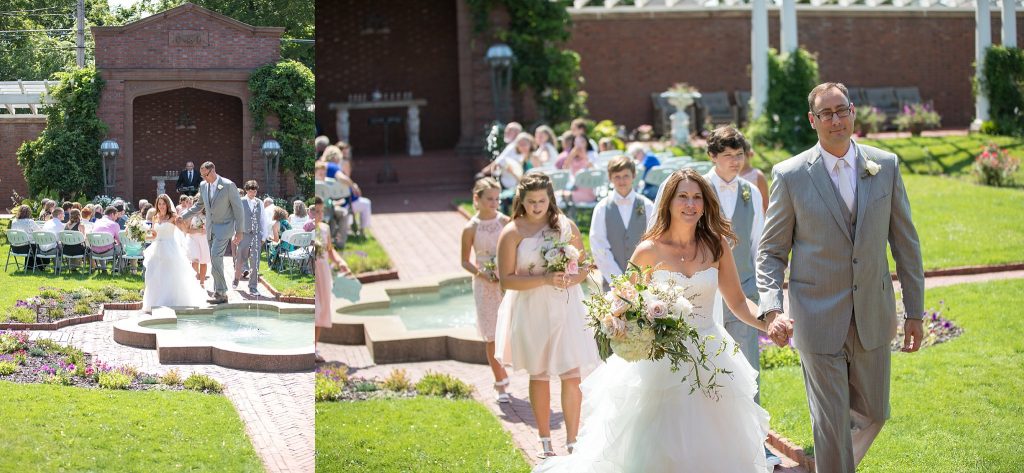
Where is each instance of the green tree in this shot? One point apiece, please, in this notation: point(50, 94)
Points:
point(64, 160)
point(783, 124)
point(1003, 83)
point(285, 89)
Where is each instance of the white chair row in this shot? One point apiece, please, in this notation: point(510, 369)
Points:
point(21, 246)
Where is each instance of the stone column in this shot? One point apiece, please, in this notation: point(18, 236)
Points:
point(758, 58)
point(413, 123)
point(982, 40)
point(341, 124)
point(788, 37)
point(1009, 18)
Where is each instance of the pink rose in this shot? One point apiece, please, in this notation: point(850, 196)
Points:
point(656, 310)
point(627, 292)
point(572, 268)
point(619, 307)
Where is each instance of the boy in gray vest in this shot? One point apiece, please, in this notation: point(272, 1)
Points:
point(742, 206)
point(619, 220)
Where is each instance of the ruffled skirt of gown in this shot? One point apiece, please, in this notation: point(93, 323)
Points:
point(170, 279)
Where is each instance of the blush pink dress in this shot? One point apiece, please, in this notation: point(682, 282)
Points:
point(324, 279)
point(486, 294)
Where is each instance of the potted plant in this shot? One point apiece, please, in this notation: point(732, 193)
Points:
point(916, 118)
point(869, 120)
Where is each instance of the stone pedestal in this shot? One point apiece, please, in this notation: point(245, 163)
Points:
point(161, 183)
point(342, 123)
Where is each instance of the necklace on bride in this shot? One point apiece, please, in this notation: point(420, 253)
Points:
point(695, 251)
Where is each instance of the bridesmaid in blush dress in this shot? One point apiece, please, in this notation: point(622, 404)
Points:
point(481, 236)
point(326, 257)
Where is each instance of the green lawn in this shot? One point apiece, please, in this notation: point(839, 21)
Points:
point(57, 428)
point(294, 283)
point(422, 434)
point(364, 254)
point(20, 285)
point(955, 407)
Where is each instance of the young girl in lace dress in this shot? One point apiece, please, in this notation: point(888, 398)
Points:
point(481, 236)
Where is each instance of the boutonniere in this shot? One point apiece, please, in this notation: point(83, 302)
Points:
point(220, 186)
point(640, 209)
point(746, 193)
point(871, 167)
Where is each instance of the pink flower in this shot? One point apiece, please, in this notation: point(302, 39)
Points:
point(619, 307)
point(656, 310)
point(572, 268)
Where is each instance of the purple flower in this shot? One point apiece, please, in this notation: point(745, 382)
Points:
point(948, 324)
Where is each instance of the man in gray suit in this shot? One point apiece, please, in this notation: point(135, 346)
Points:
point(219, 196)
point(248, 250)
point(835, 206)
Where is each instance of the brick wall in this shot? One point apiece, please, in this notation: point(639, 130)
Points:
point(147, 43)
point(14, 132)
point(395, 46)
point(627, 57)
point(160, 146)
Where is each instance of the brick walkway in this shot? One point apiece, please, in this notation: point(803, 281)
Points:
point(276, 408)
point(422, 235)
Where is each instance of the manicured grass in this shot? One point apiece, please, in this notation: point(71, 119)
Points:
point(955, 406)
point(960, 223)
point(293, 283)
point(57, 428)
point(364, 254)
point(20, 285)
point(422, 434)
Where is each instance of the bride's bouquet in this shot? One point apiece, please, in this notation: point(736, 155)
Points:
point(644, 320)
point(136, 227)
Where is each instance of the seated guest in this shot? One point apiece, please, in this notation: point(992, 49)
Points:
point(606, 144)
point(143, 203)
point(54, 225)
point(75, 224)
point(268, 218)
point(66, 206)
point(547, 153)
point(645, 161)
point(27, 224)
point(299, 215)
point(48, 206)
point(278, 247)
point(359, 204)
point(321, 143)
point(579, 159)
point(86, 214)
point(121, 218)
point(107, 224)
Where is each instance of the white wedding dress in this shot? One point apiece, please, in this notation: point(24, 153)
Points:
point(640, 416)
point(170, 279)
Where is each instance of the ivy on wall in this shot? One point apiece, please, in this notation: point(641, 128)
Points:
point(536, 28)
point(64, 160)
point(285, 89)
point(783, 124)
point(1003, 83)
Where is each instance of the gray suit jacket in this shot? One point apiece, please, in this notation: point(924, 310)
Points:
point(224, 216)
point(835, 275)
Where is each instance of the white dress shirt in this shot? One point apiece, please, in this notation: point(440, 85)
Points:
point(850, 158)
point(728, 192)
point(599, 245)
point(268, 222)
point(53, 226)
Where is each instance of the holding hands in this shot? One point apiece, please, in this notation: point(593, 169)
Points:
point(780, 327)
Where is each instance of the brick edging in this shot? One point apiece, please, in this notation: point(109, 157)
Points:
point(461, 211)
point(968, 270)
point(72, 320)
point(791, 450)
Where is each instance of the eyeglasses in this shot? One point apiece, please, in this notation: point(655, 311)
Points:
point(828, 115)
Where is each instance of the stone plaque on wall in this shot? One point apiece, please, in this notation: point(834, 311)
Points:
point(189, 38)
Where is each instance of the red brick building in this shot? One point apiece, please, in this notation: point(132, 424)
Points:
point(176, 91)
point(627, 53)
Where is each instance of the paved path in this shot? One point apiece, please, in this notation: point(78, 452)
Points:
point(276, 408)
point(422, 235)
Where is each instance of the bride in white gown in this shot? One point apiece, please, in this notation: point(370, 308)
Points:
point(640, 416)
point(170, 279)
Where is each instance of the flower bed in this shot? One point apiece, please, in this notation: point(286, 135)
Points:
point(55, 308)
point(334, 384)
point(48, 362)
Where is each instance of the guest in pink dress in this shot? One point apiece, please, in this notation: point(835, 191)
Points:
point(481, 236)
point(541, 325)
point(326, 257)
point(578, 159)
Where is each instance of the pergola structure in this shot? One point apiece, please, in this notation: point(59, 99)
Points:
point(788, 26)
point(17, 97)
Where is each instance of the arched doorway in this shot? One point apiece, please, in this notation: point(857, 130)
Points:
point(180, 125)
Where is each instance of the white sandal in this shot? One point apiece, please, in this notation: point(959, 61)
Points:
point(503, 397)
point(546, 450)
point(570, 447)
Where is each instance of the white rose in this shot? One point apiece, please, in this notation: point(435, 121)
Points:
point(683, 307)
point(572, 252)
point(551, 255)
point(872, 167)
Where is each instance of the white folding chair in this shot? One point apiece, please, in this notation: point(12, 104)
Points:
point(702, 167)
point(101, 239)
point(302, 255)
point(657, 175)
point(71, 238)
point(131, 251)
point(53, 254)
point(596, 179)
point(20, 247)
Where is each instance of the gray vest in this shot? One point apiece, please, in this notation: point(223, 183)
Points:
point(624, 240)
point(851, 218)
point(742, 224)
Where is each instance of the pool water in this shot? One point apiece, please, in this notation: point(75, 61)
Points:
point(452, 307)
point(247, 327)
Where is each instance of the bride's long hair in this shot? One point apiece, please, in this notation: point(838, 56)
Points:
point(170, 213)
point(710, 228)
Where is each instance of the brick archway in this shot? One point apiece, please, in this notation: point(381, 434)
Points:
point(180, 125)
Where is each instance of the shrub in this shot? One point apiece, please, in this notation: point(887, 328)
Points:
point(995, 167)
point(7, 368)
point(326, 389)
point(36, 351)
point(779, 357)
point(114, 380)
point(83, 308)
point(204, 383)
point(366, 386)
point(445, 385)
point(22, 314)
point(1003, 83)
point(869, 120)
point(397, 381)
point(48, 345)
point(172, 378)
point(148, 379)
point(129, 370)
point(917, 117)
point(783, 123)
point(13, 341)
